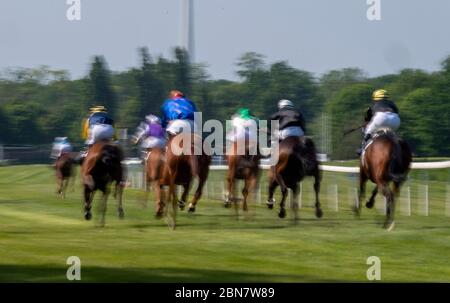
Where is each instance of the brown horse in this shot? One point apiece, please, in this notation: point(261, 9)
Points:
point(297, 159)
point(180, 169)
point(154, 165)
point(100, 168)
point(387, 159)
point(64, 173)
point(241, 167)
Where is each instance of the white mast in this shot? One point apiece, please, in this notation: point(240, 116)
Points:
point(187, 27)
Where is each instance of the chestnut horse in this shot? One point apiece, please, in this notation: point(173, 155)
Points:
point(154, 165)
point(241, 167)
point(297, 159)
point(181, 168)
point(64, 173)
point(386, 159)
point(101, 167)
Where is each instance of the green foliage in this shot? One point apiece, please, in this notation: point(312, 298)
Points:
point(99, 86)
point(347, 109)
point(38, 104)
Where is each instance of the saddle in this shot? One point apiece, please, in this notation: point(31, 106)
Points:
point(379, 133)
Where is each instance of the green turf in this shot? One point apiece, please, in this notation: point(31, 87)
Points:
point(38, 232)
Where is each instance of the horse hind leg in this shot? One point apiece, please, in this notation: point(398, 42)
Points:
point(371, 201)
point(159, 194)
point(390, 209)
point(184, 196)
point(65, 185)
point(294, 203)
point(59, 186)
point(245, 193)
point(361, 194)
point(118, 195)
point(270, 200)
point(319, 212)
point(282, 212)
point(197, 195)
point(172, 196)
point(103, 206)
point(88, 196)
point(230, 195)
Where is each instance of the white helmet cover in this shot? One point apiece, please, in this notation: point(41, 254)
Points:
point(285, 103)
point(153, 119)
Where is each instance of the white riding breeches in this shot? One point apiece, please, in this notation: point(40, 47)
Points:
point(291, 131)
point(242, 134)
point(177, 126)
point(59, 149)
point(383, 120)
point(99, 132)
point(153, 142)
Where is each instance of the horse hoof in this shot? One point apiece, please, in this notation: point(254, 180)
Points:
point(356, 211)
point(369, 204)
point(88, 215)
point(121, 214)
point(159, 215)
point(389, 226)
point(270, 203)
point(282, 213)
point(227, 204)
point(181, 205)
point(192, 209)
point(319, 213)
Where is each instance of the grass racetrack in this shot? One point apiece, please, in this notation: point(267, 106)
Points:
point(39, 231)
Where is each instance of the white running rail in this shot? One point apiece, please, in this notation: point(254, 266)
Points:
point(332, 168)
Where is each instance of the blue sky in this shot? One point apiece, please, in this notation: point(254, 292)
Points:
point(315, 35)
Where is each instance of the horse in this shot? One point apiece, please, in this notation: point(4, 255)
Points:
point(180, 169)
point(385, 159)
point(100, 168)
point(64, 173)
point(297, 159)
point(241, 167)
point(154, 165)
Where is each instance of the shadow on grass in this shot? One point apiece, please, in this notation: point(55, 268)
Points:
point(50, 273)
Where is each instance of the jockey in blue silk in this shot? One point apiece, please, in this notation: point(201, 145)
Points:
point(61, 145)
point(178, 113)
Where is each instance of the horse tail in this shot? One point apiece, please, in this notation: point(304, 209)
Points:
point(396, 165)
point(111, 155)
point(305, 153)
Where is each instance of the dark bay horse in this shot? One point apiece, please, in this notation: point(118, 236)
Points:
point(387, 159)
point(101, 167)
point(64, 173)
point(241, 167)
point(180, 169)
point(297, 159)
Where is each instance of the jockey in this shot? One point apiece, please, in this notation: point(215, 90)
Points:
point(150, 133)
point(383, 114)
point(98, 126)
point(61, 145)
point(291, 121)
point(178, 113)
point(244, 126)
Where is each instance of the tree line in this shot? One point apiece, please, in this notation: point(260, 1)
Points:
point(39, 104)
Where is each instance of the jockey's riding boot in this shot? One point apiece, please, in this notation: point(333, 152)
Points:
point(363, 144)
point(80, 157)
